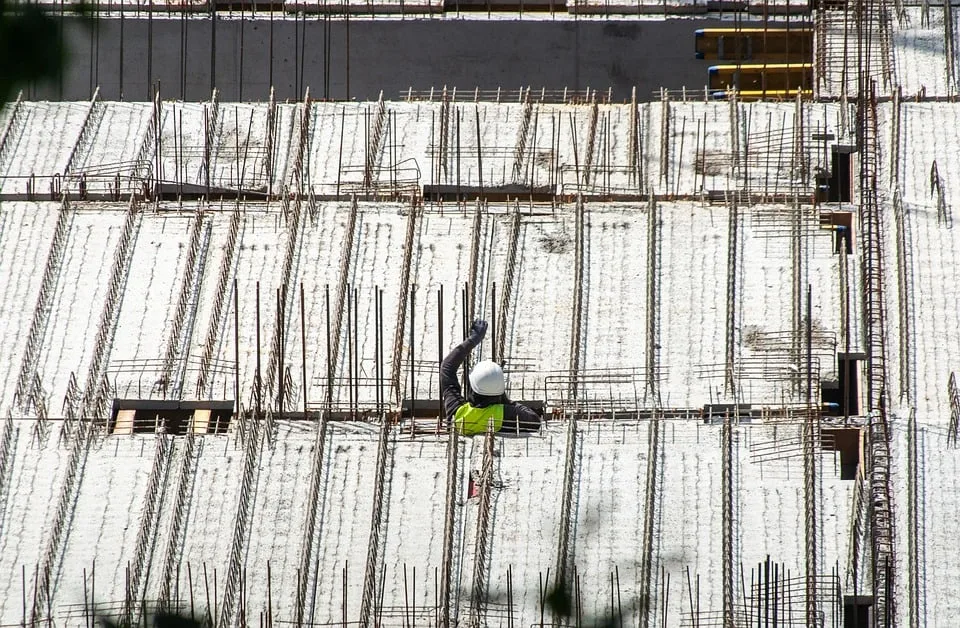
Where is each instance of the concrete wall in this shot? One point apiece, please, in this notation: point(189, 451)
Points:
point(126, 56)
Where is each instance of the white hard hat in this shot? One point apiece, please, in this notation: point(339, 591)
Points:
point(486, 379)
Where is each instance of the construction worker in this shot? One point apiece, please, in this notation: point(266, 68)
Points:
point(486, 403)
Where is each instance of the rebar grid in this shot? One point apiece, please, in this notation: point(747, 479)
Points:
point(147, 530)
point(175, 339)
point(653, 480)
point(449, 531)
point(215, 322)
point(654, 271)
point(396, 372)
point(44, 306)
point(577, 331)
point(8, 443)
point(241, 531)
point(178, 520)
point(94, 397)
point(953, 392)
point(380, 487)
point(48, 572)
point(13, 126)
point(728, 522)
point(564, 579)
point(91, 122)
point(519, 151)
point(308, 574)
point(374, 147)
point(872, 279)
point(481, 567)
point(211, 133)
point(905, 300)
point(730, 379)
point(509, 279)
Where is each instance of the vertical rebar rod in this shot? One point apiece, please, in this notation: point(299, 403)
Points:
point(652, 389)
point(811, 494)
point(733, 245)
point(728, 521)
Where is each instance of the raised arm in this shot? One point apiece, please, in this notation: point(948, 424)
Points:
point(449, 384)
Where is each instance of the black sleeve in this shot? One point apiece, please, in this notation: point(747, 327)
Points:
point(449, 385)
point(519, 418)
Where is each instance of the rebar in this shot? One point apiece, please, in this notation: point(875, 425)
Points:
point(88, 129)
point(211, 133)
point(654, 270)
point(520, 148)
point(665, 140)
point(94, 400)
point(651, 517)
point(568, 506)
point(914, 569)
point(8, 445)
point(578, 319)
point(811, 492)
point(590, 155)
point(14, 125)
point(311, 528)
point(179, 517)
point(176, 343)
point(905, 299)
point(402, 300)
point(66, 501)
point(301, 159)
point(481, 548)
point(375, 146)
point(270, 141)
point(872, 280)
point(144, 162)
point(241, 532)
point(215, 321)
point(949, 48)
point(286, 301)
point(936, 188)
point(733, 246)
point(347, 255)
point(509, 278)
point(377, 525)
point(728, 521)
point(149, 518)
point(473, 277)
point(449, 530)
point(44, 306)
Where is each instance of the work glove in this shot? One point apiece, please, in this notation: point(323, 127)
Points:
point(477, 331)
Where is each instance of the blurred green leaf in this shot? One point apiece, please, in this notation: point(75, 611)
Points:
point(31, 48)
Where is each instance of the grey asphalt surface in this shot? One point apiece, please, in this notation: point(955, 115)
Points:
point(126, 58)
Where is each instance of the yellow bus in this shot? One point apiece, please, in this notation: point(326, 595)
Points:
point(781, 45)
point(761, 77)
point(774, 94)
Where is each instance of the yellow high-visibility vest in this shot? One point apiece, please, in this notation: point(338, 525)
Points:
point(471, 421)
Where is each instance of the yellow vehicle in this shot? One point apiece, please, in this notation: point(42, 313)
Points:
point(780, 45)
point(774, 94)
point(761, 77)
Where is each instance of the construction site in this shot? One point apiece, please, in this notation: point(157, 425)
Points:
point(734, 303)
